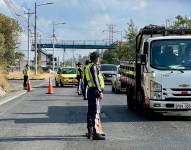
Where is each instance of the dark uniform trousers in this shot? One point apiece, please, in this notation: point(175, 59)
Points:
point(25, 81)
point(93, 109)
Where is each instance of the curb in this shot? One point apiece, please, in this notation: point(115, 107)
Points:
point(11, 97)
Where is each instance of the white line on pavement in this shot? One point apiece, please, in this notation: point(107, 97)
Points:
point(11, 98)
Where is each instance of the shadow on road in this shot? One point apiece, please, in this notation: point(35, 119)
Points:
point(44, 138)
point(77, 114)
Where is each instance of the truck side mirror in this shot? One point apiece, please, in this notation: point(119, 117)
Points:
point(143, 59)
point(146, 47)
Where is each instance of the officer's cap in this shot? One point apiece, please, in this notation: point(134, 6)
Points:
point(79, 63)
point(94, 56)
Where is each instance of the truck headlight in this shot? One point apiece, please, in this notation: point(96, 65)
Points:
point(156, 90)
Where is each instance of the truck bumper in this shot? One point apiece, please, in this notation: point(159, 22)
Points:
point(170, 105)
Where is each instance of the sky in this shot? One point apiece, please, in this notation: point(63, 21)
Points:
point(87, 19)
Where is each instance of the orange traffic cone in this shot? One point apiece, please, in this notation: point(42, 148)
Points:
point(50, 88)
point(100, 128)
point(29, 86)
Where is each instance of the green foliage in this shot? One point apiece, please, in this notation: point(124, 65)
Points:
point(19, 55)
point(9, 31)
point(181, 21)
point(124, 50)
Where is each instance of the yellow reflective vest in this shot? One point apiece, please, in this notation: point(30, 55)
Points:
point(90, 78)
point(26, 72)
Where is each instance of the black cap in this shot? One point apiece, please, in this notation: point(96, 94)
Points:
point(79, 63)
point(94, 56)
point(87, 62)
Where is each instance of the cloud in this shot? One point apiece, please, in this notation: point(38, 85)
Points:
point(98, 24)
point(4, 9)
point(140, 5)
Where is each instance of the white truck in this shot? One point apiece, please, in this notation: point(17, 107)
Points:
point(159, 78)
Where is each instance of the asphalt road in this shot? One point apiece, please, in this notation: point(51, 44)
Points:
point(37, 121)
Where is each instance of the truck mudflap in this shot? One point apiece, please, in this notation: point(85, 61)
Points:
point(170, 105)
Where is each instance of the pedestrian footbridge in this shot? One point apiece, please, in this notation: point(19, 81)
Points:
point(78, 44)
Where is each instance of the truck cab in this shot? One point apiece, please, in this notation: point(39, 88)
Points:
point(160, 76)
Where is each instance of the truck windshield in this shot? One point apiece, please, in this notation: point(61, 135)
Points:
point(108, 68)
point(173, 54)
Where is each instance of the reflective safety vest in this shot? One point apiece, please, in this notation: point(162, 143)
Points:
point(84, 71)
point(26, 72)
point(79, 72)
point(90, 78)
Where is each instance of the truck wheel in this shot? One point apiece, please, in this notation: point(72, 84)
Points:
point(130, 104)
point(61, 84)
point(139, 101)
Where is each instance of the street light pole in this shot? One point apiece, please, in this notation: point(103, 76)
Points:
point(53, 43)
point(35, 34)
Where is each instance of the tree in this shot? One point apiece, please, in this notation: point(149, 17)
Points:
point(181, 21)
point(131, 34)
point(9, 32)
point(19, 55)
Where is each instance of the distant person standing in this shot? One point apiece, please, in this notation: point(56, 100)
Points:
point(26, 76)
point(85, 82)
point(95, 96)
point(79, 77)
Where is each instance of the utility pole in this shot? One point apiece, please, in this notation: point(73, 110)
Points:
point(28, 16)
point(110, 32)
point(64, 50)
point(35, 39)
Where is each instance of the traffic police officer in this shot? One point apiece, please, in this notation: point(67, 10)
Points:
point(79, 77)
point(26, 76)
point(95, 95)
point(85, 82)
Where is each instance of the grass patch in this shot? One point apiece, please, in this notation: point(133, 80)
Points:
point(4, 84)
point(32, 76)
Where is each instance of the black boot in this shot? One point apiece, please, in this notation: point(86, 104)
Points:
point(98, 137)
point(90, 133)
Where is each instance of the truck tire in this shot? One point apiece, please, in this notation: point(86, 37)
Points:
point(130, 104)
point(139, 101)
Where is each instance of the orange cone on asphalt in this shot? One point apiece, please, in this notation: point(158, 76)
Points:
point(29, 86)
point(50, 88)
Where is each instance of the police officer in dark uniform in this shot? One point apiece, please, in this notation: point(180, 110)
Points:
point(26, 76)
point(95, 95)
point(79, 77)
